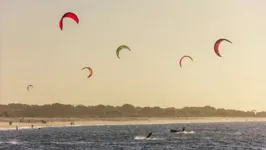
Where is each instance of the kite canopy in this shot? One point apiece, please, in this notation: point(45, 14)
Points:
point(91, 72)
point(68, 15)
point(29, 86)
point(217, 44)
point(120, 48)
point(186, 56)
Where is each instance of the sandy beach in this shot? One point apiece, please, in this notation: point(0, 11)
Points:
point(61, 122)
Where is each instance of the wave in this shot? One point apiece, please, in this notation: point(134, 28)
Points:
point(14, 142)
point(144, 138)
point(48, 126)
point(186, 132)
point(21, 128)
point(71, 143)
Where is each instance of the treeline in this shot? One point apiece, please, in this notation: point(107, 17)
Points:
point(126, 110)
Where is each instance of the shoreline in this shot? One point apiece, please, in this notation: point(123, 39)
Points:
point(65, 122)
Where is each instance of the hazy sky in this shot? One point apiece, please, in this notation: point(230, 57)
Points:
point(159, 32)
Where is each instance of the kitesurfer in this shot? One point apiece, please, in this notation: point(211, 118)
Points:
point(183, 129)
point(176, 131)
point(148, 135)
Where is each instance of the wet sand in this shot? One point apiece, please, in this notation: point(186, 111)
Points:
point(61, 122)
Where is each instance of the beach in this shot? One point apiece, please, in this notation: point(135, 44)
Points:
point(63, 122)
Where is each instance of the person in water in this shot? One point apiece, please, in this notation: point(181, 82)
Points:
point(16, 127)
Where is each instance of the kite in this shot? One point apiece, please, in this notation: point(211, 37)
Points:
point(91, 72)
point(186, 56)
point(28, 87)
point(120, 48)
point(217, 44)
point(68, 15)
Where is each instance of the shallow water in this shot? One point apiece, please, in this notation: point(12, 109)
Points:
point(251, 135)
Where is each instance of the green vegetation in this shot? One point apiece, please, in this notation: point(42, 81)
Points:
point(127, 110)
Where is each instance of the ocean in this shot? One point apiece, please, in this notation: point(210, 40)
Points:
point(246, 135)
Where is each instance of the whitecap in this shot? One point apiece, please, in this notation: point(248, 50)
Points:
point(186, 132)
point(144, 138)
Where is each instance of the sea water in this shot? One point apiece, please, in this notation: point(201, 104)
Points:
point(248, 135)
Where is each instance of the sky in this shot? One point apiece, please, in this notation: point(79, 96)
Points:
point(33, 50)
